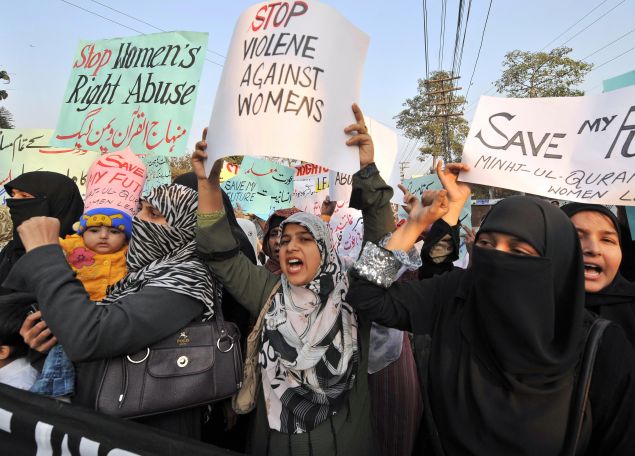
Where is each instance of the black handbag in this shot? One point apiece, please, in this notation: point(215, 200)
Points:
point(200, 364)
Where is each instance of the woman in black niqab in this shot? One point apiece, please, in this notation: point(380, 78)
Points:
point(522, 334)
point(615, 302)
point(54, 195)
point(506, 337)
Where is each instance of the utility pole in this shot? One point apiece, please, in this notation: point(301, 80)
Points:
point(442, 87)
point(403, 165)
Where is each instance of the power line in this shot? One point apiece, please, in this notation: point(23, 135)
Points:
point(119, 23)
point(144, 22)
point(614, 58)
point(478, 54)
point(103, 17)
point(585, 28)
point(467, 20)
point(425, 34)
point(579, 20)
point(442, 33)
point(609, 44)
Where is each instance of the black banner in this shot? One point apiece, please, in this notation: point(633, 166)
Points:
point(32, 424)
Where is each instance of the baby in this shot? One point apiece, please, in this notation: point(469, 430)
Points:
point(97, 253)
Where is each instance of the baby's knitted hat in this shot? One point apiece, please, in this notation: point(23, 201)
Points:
point(114, 185)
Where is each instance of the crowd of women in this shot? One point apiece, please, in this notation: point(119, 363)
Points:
point(529, 350)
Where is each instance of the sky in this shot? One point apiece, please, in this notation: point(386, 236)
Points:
point(38, 39)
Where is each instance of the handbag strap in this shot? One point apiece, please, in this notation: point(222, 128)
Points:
point(583, 385)
point(266, 306)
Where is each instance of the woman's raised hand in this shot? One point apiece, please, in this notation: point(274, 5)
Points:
point(409, 200)
point(198, 161)
point(426, 215)
point(458, 192)
point(361, 139)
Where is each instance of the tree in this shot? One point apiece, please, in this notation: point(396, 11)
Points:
point(418, 122)
point(542, 74)
point(6, 118)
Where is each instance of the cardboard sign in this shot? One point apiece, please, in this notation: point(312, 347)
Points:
point(260, 187)
point(24, 149)
point(575, 148)
point(137, 91)
point(292, 71)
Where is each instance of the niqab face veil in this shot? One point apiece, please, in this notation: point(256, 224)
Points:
point(55, 195)
point(164, 256)
point(518, 339)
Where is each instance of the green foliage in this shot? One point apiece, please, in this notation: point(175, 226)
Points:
point(542, 74)
point(6, 118)
point(417, 122)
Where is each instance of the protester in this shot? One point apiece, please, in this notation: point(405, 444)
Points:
point(6, 226)
point(249, 228)
point(314, 399)
point(38, 193)
point(97, 255)
point(608, 294)
point(506, 335)
point(271, 238)
point(166, 288)
point(15, 368)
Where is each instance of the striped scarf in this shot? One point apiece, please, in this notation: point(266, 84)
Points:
point(164, 256)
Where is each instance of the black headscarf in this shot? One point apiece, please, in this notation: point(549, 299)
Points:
point(190, 180)
point(502, 376)
point(56, 195)
point(616, 301)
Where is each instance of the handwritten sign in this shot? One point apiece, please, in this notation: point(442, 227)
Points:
point(115, 181)
point(229, 170)
point(158, 172)
point(577, 148)
point(630, 214)
point(418, 185)
point(137, 91)
point(261, 187)
point(310, 187)
point(292, 71)
point(347, 230)
point(23, 150)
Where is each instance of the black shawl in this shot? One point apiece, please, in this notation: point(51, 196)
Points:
point(501, 371)
point(616, 301)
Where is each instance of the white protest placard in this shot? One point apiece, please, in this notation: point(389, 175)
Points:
point(292, 71)
point(347, 230)
point(310, 187)
point(385, 145)
point(573, 148)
